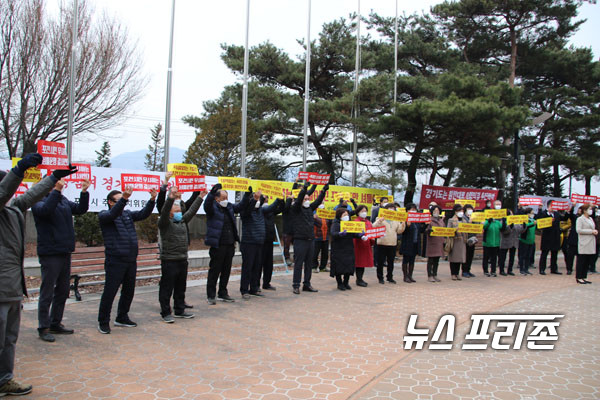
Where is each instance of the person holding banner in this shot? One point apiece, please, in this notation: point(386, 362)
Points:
point(342, 250)
point(267, 249)
point(587, 232)
point(322, 235)
point(386, 245)
point(363, 248)
point(221, 236)
point(509, 241)
point(174, 244)
point(491, 242)
point(550, 239)
point(410, 246)
point(304, 235)
point(162, 194)
point(434, 249)
point(288, 225)
point(527, 242)
point(383, 201)
point(121, 250)
point(53, 218)
point(570, 243)
point(458, 252)
point(471, 242)
point(12, 278)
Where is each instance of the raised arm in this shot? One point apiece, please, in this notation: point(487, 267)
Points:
point(209, 201)
point(238, 207)
point(165, 212)
point(47, 205)
point(11, 182)
point(84, 200)
point(147, 210)
point(194, 207)
point(114, 212)
point(298, 200)
point(315, 204)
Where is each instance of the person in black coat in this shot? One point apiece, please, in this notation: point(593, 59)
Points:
point(267, 250)
point(570, 242)
point(410, 246)
point(56, 241)
point(342, 250)
point(120, 250)
point(288, 226)
point(550, 239)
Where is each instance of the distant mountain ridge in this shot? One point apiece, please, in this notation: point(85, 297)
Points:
point(136, 159)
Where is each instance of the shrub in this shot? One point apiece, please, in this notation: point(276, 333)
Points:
point(87, 229)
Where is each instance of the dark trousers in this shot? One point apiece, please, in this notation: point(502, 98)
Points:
point(343, 279)
point(432, 266)
point(219, 270)
point(570, 251)
point(584, 261)
point(408, 259)
point(490, 256)
point(525, 251)
point(54, 290)
point(267, 263)
point(511, 258)
point(454, 268)
point(303, 259)
point(466, 266)
point(10, 319)
point(287, 242)
point(553, 260)
point(251, 267)
point(118, 272)
point(322, 248)
point(385, 255)
point(360, 272)
point(173, 281)
point(593, 263)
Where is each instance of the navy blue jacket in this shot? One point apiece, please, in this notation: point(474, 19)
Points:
point(253, 221)
point(54, 222)
point(118, 229)
point(215, 217)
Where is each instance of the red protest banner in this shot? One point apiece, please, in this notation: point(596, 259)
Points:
point(21, 190)
point(419, 217)
point(374, 233)
point(318, 179)
point(582, 199)
point(302, 176)
point(530, 201)
point(561, 205)
point(140, 182)
point(84, 171)
point(190, 183)
point(444, 196)
point(54, 153)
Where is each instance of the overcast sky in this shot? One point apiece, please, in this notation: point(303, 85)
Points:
point(201, 26)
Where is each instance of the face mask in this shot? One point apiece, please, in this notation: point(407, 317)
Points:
point(469, 212)
point(345, 218)
point(383, 205)
point(265, 205)
point(363, 215)
point(224, 203)
point(436, 214)
point(257, 204)
point(460, 214)
point(321, 206)
point(498, 207)
point(590, 211)
point(177, 216)
point(306, 204)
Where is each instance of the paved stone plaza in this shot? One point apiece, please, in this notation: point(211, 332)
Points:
point(327, 345)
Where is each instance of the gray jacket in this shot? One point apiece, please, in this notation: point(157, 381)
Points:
point(174, 235)
point(12, 233)
point(509, 236)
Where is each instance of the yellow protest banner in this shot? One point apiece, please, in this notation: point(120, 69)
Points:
point(272, 189)
point(295, 192)
point(31, 175)
point(477, 217)
point(237, 184)
point(470, 228)
point(325, 214)
point(352, 226)
point(464, 202)
point(443, 232)
point(496, 214)
point(360, 195)
point(345, 195)
point(179, 169)
point(392, 215)
point(517, 219)
point(543, 223)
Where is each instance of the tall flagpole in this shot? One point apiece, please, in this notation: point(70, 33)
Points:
point(245, 93)
point(169, 86)
point(72, 80)
point(395, 96)
point(306, 91)
point(356, 77)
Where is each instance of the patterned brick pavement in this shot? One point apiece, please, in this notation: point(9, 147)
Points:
point(327, 345)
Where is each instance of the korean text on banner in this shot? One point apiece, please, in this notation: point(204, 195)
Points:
point(478, 217)
point(517, 219)
point(561, 205)
point(496, 214)
point(325, 214)
point(464, 202)
point(272, 189)
point(582, 199)
point(179, 169)
point(352, 226)
point(543, 223)
point(31, 175)
point(375, 233)
point(443, 232)
point(469, 228)
point(140, 182)
point(318, 179)
point(190, 183)
point(530, 201)
point(344, 195)
point(237, 184)
point(303, 176)
point(84, 172)
point(54, 153)
point(419, 217)
point(444, 196)
point(393, 215)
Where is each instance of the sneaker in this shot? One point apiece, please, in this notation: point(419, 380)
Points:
point(126, 322)
point(104, 329)
point(185, 315)
point(258, 294)
point(168, 319)
point(494, 274)
point(211, 300)
point(61, 330)
point(487, 274)
point(246, 296)
point(435, 278)
point(430, 279)
point(14, 388)
point(227, 298)
point(269, 287)
point(46, 336)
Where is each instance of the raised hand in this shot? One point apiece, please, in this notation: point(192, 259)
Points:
point(127, 192)
point(85, 184)
point(153, 194)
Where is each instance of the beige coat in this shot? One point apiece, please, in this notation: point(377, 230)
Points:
point(587, 240)
point(459, 249)
point(392, 230)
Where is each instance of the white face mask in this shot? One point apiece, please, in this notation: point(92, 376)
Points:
point(306, 204)
point(224, 203)
point(321, 206)
point(498, 207)
point(436, 214)
point(460, 214)
point(469, 212)
point(345, 218)
point(363, 214)
point(257, 205)
point(265, 204)
point(383, 205)
point(590, 211)
point(531, 216)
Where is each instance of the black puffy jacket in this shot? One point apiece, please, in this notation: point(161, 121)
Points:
point(303, 217)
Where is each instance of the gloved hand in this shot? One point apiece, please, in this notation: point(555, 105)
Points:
point(326, 187)
point(216, 188)
point(250, 189)
point(490, 220)
point(29, 161)
point(524, 225)
point(512, 226)
point(344, 233)
point(306, 185)
point(61, 173)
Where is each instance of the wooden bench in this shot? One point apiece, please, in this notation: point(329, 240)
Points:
point(89, 261)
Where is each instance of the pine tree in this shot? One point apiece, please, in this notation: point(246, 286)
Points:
point(155, 158)
point(103, 159)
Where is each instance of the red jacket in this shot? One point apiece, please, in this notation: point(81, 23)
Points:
point(363, 249)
